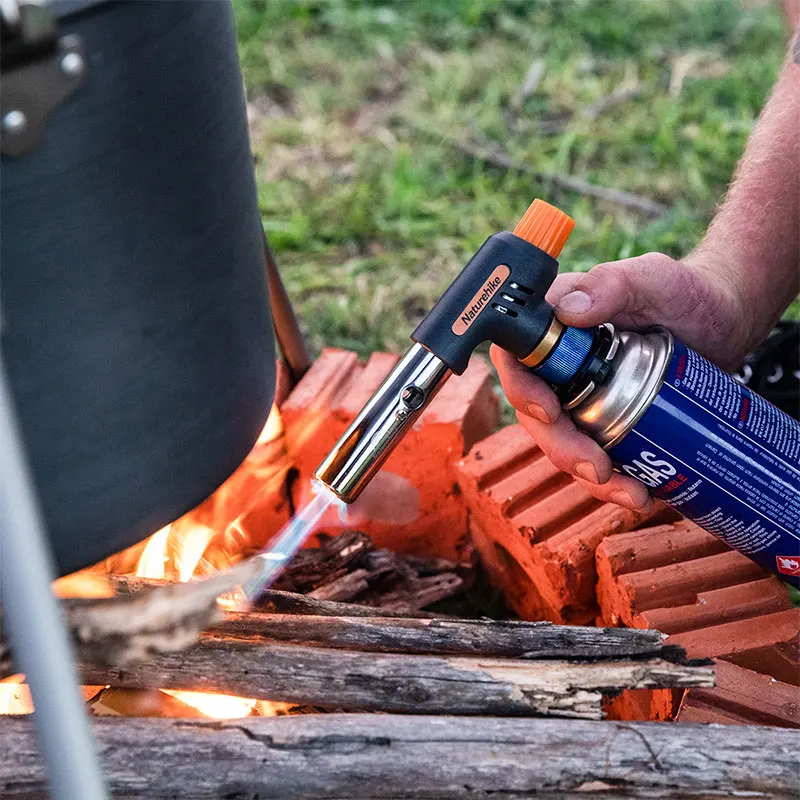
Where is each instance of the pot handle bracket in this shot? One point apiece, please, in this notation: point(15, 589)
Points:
point(40, 69)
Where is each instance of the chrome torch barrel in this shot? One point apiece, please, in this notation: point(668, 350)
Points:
point(382, 423)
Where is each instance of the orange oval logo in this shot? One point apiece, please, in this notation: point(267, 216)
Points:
point(481, 300)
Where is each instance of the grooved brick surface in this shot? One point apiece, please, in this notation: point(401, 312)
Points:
point(743, 697)
point(711, 600)
point(729, 604)
point(414, 505)
point(769, 644)
point(535, 527)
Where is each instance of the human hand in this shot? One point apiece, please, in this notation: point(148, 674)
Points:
point(692, 299)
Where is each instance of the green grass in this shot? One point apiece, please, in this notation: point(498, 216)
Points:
point(355, 107)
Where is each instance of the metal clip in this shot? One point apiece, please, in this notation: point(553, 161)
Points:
point(40, 70)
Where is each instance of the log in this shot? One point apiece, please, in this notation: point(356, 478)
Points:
point(351, 680)
point(362, 756)
point(456, 636)
point(273, 601)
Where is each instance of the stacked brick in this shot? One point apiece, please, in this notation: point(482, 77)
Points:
point(743, 697)
point(414, 505)
point(536, 529)
point(712, 601)
point(556, 553)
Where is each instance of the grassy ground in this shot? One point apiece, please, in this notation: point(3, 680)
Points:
point(361, 113)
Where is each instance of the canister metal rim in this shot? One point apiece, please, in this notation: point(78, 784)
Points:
point(656, 385)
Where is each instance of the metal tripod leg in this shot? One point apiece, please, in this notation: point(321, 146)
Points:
point(36, 631)
point(287, 330)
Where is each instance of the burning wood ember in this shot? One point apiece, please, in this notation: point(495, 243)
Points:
point(348, 568)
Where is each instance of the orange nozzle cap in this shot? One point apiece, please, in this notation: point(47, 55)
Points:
point(545, 227)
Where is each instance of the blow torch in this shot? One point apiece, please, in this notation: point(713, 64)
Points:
point(708, 447)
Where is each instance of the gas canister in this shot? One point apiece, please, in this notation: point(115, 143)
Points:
point(708, 447)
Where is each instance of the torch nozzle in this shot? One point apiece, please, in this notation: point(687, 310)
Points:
point(382, 423)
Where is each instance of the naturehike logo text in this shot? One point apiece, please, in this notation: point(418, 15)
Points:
point(481, 300)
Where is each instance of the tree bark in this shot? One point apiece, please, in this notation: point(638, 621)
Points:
point(273, 601)
point(441, 636)
point(349, 680)
point(380, 756)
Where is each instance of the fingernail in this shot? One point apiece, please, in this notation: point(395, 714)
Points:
point(625, 499)
point(575, 303)
point(587, 471)
point(537, 412)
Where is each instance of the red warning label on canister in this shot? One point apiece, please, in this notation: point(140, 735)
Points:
point(788, 565)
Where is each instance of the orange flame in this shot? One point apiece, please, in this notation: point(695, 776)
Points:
point(208, 538)
point(218, 706)
point(15, 696)
point(179, 548)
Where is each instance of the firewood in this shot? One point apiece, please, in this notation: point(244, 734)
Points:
point(418, 593)
point(453, 637)
point(160, 616)
point(313, 567)
point(298, 619)
point(351, 680)
point(342, 588)
point(118, 630)
point(362, 756)
point(275, 602)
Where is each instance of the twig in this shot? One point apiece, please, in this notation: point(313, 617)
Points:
point(493, 153)
point(530, 640)
point(127, 628)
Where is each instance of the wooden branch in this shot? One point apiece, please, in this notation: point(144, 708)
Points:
point(342, 588)
point(344, 679)
point(274, 602)
point(380, 756)
point(493, 153)
point(127, 628)
point(340, 625)
point(465, 637)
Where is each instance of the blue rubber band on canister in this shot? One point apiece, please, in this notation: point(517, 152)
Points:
point(568, 356)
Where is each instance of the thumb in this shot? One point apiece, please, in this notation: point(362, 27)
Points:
point(630, 286)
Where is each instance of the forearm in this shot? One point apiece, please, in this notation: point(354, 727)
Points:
point(754, 240)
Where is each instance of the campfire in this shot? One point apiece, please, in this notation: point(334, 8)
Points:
point(203, 542)
point(352, 625)
point(224, 530)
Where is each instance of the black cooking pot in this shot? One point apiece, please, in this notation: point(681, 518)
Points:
point(136, 328)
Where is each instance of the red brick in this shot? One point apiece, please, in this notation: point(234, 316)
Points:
point(414, 505)
point(535, 527)
point(743, 697)
point(717, 606)
point(683, 581)
point(641, 552)
point(766, 644)
point(645, 704)
point(677, 584)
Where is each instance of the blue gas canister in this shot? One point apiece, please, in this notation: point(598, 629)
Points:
point(707, 446)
